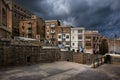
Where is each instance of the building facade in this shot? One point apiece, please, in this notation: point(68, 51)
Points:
point(64, 37)
point(114, 45)
point(91, 42)
point(51, 31)
point(5, 18)
point(19, 13)
point(32, 28)
point(41, 28)
point(77, 39)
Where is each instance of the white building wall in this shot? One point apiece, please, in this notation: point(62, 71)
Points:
point(75, 40)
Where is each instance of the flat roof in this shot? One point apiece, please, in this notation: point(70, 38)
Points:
point(51, 20)
point(65, 26)
point(78, 28)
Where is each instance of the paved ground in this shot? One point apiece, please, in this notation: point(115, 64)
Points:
point(61, 71)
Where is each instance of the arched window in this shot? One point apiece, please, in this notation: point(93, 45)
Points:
point(4, 17)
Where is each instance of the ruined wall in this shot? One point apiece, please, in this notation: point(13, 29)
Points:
point(23, 53)
point(14, 54)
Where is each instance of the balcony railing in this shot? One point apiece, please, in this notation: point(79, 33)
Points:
point(52, 31)
point(5, 28)
point(29, 31)
point(52, 26)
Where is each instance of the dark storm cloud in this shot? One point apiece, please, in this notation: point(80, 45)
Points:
point(103, 15)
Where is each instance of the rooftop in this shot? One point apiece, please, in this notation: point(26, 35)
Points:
point(51, 20)
point(65, 26)
point(78, 28)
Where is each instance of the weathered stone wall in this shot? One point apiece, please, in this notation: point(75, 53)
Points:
point(78, 57)
point(14, 54)
point(25, 53)
point(115, 59)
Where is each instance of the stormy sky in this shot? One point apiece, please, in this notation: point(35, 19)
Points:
point(102, 15)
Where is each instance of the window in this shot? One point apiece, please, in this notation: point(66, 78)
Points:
point(88, 37)
point(59, 31)
point(47, 36)
point(67, 36)
point(63, 39)
point(52, 25)
point(29, 24)
point(22, 28)
point(59, 36)
point(48, 31)
point(79, 31)
point(29, 30)
point(67, 43)
point(73, 44)
point(14, 5)
point(94, 38)
point(59, 43)
point(88, 44)
point(80, 43)
point(15, 15)
point(80, 37)
point(29, 35)
point(73, 50)
point(94, 45)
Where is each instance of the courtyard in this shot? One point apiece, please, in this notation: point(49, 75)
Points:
point(61, 71)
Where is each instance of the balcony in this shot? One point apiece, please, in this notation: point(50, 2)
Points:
point(52, 32)
point(29, 31)
point(87, 39)
point(5, 28)
point(52, 26)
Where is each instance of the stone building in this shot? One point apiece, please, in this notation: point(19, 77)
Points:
point(91, 42)
point(32, 28)
point(103, 45)
point(51, 31)
point(19, 13)
point(5, 18)
point(64, 37)
point(77, 39)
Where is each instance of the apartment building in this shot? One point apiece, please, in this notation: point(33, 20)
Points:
point(19, 13)
point(64, 37)
point(5, 18)
point(32, 28)
point(91, 42)
point(77, 39)
point(51, 31)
